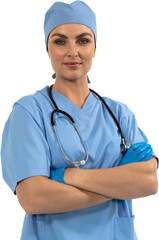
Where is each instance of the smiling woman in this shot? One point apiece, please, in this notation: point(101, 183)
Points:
point(71, 48)
point(89, 197)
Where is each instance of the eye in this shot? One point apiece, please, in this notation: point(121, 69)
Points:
point(59, 42)
point(83, 41)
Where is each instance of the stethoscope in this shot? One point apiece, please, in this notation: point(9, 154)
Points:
point(123, 146)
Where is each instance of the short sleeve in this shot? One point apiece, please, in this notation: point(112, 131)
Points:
point(24, 150)
point(132, 132)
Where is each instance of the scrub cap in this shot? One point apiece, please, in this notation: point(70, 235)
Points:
point(76, 12)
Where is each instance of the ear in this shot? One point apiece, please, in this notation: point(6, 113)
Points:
point(94, 52)
point(47, 50)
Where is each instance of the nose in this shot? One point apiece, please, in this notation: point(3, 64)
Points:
point(72, 51)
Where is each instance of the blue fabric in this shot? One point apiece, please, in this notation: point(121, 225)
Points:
point(62, 13)
point(57, 174)
point(138, 152)
point(30, 148)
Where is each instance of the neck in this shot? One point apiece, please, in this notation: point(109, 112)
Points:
point(77, 92)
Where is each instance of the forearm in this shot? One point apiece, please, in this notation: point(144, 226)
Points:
point(125, 182)
point(55, 197)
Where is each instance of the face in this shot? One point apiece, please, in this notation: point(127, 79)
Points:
point(71, 43)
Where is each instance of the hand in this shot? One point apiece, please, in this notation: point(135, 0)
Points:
point(57, 174)
point(138, 152)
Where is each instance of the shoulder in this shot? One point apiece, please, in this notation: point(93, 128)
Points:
point(31, 108)
point(126, 120)
point(33, 101)
point(118, 108)
point(29, 111)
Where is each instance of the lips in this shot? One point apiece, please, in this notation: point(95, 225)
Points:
point(72, 64)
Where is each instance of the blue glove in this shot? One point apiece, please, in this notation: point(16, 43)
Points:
point(138, 152)
point(57, 174)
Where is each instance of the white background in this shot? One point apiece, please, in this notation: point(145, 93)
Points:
point(126, 68)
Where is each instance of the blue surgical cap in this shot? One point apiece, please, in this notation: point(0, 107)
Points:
point(76, 12)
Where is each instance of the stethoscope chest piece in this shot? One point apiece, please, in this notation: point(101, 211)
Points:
point(123, 146)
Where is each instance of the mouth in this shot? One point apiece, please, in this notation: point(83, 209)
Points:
point(73, 64)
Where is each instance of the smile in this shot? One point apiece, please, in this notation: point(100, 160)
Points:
point(73, 64)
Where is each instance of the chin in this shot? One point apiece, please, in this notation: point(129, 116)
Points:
point(72, 78)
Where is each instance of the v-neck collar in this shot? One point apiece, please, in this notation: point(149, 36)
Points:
point(81, 114)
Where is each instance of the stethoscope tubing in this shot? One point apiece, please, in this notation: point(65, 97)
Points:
point(123, 145)
point(109, 110)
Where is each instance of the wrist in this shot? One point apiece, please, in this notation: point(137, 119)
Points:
point(70, 175)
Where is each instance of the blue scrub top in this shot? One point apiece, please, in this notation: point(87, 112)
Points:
point(30, 148)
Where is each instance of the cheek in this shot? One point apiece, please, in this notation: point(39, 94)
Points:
point(88, 53)
point(88, 58)
point(56, 57)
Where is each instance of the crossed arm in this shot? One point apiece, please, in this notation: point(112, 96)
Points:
point(135, 176)
point(87, 187)
point(129, 181)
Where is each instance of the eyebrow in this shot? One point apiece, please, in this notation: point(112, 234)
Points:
point(63, 36)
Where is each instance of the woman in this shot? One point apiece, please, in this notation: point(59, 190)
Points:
point(75, 183)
